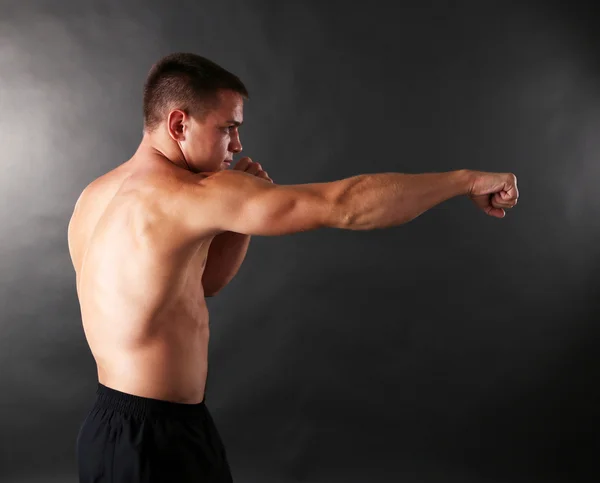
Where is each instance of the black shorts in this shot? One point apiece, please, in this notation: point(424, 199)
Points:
point(133, 439)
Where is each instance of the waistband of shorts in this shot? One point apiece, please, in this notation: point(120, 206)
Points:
point(110, 398)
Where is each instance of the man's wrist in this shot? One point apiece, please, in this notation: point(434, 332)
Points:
point(464, 181)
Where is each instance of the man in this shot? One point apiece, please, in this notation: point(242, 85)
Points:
point(152, 238)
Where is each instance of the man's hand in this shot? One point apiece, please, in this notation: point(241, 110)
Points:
point(494, 192)
point(249, 166)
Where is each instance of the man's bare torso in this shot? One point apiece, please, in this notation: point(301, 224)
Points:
point(139, 283)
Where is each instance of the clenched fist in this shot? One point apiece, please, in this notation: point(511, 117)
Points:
point(247, 165)
point(494, 192)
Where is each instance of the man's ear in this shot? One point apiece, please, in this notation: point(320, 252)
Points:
point(176, 124)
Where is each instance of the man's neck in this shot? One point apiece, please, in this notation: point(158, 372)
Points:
point(152, 148)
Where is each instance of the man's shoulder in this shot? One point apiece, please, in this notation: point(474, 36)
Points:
point(187, 183)
point(168, 178)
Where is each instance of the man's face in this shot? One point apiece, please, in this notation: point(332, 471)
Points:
point(210, 142)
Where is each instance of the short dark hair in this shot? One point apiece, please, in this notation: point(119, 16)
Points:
point(188, 82)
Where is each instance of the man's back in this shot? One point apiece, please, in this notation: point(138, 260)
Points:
point(139, 282)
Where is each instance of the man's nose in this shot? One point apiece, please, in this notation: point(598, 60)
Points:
point(236, 145)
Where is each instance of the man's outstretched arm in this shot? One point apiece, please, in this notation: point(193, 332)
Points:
point(238, 202)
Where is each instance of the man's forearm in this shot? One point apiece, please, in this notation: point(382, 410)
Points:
point(225, 257)
point(384, 200)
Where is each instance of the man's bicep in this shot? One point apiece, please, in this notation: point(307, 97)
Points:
point(288, 209)
point(243, 203)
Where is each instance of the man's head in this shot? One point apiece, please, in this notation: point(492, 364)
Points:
point(192, 109)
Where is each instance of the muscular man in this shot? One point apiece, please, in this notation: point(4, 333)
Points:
point(152, 238)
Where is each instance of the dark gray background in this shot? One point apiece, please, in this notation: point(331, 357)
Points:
point(456, 348)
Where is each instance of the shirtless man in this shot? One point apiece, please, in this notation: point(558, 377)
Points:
point(152, 238)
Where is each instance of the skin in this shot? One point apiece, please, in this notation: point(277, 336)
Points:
point(152, 238)
point(142, 284)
